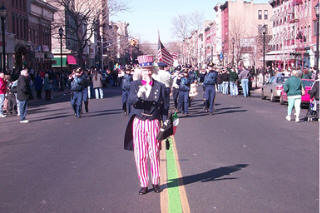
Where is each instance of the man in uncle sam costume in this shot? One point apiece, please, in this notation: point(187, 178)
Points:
point(149, 107)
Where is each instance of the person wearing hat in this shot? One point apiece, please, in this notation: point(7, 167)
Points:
point(125, 86)
point(149, 106)
point(184, 88)
point(76, 91)
point(210, 90)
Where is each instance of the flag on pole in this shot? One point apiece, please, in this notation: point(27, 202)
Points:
point(175, 56)
point(163, 54)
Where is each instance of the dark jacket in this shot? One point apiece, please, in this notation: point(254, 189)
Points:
point(184, 84)
point(314, 92)
point(233, 76)
point(23, 88)
point(126, 82)
point(210, 78)
point(151, 108)
point(219, 78)
point(225, 76)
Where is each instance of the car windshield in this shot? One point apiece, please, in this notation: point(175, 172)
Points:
point(281, 79)
point(307, 83)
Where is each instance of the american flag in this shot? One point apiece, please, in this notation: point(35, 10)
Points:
point(174, 56)
point(164, 55)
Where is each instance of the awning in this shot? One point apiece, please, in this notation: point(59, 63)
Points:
point(71, 60)
point(57, 61)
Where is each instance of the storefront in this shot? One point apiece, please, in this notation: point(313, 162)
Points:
point(9, 48)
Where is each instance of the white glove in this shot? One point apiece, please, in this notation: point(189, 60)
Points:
point(148, 89)
point(142, 91)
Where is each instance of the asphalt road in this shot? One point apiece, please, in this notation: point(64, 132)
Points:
point(245, 158)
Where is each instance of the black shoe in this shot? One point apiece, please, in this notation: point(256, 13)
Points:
point(143, 190)
point(156, 188)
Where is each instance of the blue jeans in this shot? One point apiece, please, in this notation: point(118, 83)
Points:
point(76, 101)
point(244, 85)
point(1, 103)
point(210, 94)
point(124, 100)
point(233, 88)
point(220, 88)
point(23, 109)
point(225, 86)
point(184, 101)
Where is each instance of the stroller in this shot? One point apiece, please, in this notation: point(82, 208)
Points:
point(313, 110)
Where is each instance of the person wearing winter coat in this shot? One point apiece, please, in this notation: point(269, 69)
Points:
point(3, 88)
point(125, 86)
point(233, 78)
point(293, 87)
point(97, 84)
point(76, 89)
point(47, 86)
point(23, 94)
point(12, 103)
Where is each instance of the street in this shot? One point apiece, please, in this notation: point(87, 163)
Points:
point(245, 158)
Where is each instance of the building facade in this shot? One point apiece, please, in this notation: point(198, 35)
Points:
point(241, 20)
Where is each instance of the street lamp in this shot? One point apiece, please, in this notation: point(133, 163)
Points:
point(316, 8)
point(61, 34)
point(264, 31)
point(233, 52)
point(3, 15)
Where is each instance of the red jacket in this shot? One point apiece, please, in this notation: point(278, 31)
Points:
point(3, 86)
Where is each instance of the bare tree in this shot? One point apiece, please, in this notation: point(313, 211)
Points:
point(196, 20)
point(181, 28)
point(237, 32)
point(81, 20)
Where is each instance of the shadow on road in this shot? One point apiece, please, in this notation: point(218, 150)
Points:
point(197, 112)
point(211, 175)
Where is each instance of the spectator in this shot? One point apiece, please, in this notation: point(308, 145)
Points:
point(293, 87)
point(23, 94)
point(38, 82)
point(47, 85)
point(3, 88)
point(97, 84)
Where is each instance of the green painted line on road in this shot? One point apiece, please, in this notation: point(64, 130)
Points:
point(173, 183)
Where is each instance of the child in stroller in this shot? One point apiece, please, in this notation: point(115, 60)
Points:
point(313, 110)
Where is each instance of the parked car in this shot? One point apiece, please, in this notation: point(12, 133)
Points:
point(305, 99)
point(272, 88)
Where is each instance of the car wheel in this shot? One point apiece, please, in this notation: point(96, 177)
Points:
point(262, 95)
point(272, 99)
point(281, 100)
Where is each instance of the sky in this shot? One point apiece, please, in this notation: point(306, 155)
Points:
point(146, 17)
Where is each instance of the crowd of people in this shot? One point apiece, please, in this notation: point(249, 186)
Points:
point(182, 82)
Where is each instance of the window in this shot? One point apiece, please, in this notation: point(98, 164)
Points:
point(259, 14)
point(266, 14)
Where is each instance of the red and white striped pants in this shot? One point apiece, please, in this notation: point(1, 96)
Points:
point(146, 145)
